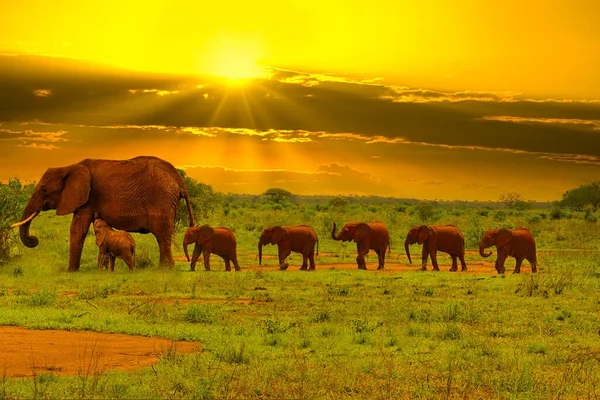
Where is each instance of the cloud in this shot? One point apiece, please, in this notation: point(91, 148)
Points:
point(402, 94)
point(158, 92)
point(38, 146)
point(592, 124)
point(33, 136)
point(42, 92)
point(347, 109)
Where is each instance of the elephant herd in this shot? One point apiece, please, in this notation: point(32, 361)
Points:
point(142, 195)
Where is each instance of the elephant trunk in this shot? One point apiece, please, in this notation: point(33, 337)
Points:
point(30, 212)
point(333, 236)
point(406, 244)
point(260, 246)
point(481, 250)
point(185, 249)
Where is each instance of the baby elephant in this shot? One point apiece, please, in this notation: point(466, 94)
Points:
point(207, 239)
point(517, 243)
point(113, 244)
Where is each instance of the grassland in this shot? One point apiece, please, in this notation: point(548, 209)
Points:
point(332, 333)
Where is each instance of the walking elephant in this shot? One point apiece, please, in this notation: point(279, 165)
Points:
point(368, 236)
point(113, 244)
point(299, 239)
point(220, 241)
point(517, 243)
point(137, 195)
point(446, 238)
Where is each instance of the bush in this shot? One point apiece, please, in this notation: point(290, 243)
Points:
point(534, 218)
point(13, 199)
point(425, 211)
point(500, 216)
point(556, 213)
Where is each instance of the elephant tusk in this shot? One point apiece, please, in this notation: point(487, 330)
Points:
point(32, 216)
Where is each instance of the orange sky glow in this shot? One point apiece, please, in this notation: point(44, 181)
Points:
point(431, 100)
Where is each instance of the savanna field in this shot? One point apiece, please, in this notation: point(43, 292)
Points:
point(336, 332)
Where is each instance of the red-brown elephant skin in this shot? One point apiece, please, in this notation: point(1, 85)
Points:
point(220, 241)
point(137, 195)
point(447, 238)
point(517, 243)
point(367, 236)
point(113, 244)
point(299, 239)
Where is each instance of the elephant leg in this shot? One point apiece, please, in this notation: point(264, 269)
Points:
point(518, 265)
point(304, 266)
point(78, 231)
point(195, 256)
point(227, 263)
point(533, 262)
point(111, 262)
point(235, 263)
point(463, 264)
point(454, 263)
point(284, 252)
point(206, 255)
point(128, 259)
point(502, 254)
point(381, 258)
point(102, 261)
point(311, 259)
point(433, 255)
point(164, 246)
point(424, 256)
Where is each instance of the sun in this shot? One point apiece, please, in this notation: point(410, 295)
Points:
point(236, 60)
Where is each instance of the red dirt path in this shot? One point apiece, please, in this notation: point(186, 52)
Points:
point(26, 352)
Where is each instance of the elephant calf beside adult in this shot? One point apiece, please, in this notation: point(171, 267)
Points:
point(367, 236)
point(447, 238)
point(300, 239)
point(137, 195)
point(518, 243)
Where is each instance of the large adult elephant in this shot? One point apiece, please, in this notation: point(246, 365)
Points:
point(137, 195)
point(446, 238)
point(368, 236)
point(300, 239)
point(517, 243)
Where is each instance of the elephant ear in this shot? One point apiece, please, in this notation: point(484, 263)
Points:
point(425, 232)
point(204, 233)
point(361, 232)
point(503, 236)
point(100, 237)
point(77, 183)
point(277, 234)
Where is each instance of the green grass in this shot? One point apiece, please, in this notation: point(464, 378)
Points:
point(328, 333)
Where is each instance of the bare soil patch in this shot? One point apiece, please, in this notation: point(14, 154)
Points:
point(27, 352)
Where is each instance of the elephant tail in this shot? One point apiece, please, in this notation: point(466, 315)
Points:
point(317, 246)
point(389, 248)
point(188, 203)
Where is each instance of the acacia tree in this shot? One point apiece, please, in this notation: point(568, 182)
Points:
point(511, 199)
point(585, 195)
point(278, 195)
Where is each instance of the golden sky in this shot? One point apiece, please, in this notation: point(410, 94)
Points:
point(433, 99)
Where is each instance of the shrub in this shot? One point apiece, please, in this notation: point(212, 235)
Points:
point(425, 211)
point(500, 216)
point(201, 315)
point(534, 218)
point(556, 213)
point(13, 199)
